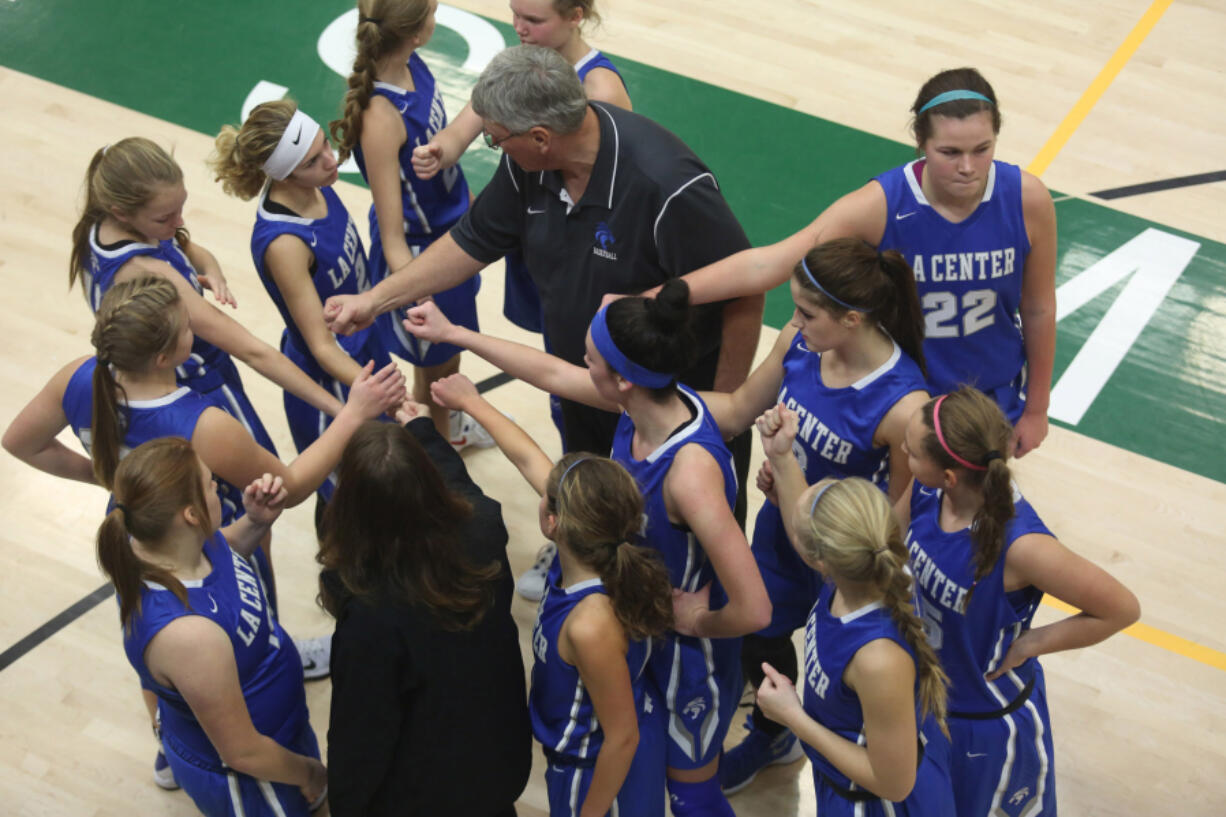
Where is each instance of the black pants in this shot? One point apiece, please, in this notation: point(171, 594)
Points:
point(777, 651)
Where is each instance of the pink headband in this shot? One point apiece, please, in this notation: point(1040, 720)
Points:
point(936, 424)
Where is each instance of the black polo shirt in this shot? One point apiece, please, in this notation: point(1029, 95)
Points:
point(651, 211)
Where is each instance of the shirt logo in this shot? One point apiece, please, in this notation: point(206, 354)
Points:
point(901, 216)
point(604, 242)
point(695, 708)
point(533, 212)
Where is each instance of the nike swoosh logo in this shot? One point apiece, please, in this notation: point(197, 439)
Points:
point(299, 136)
point(901, 216)
point(532, 212)
point(314, 239)
point(976, 754)
point(213, 602)
point(309, 665)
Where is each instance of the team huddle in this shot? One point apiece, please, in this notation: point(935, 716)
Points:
point(917, 363)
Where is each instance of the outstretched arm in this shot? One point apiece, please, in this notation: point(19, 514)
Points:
point(545, 371)
point(458, 392)
point(232, 337)
point(448, 145)
point(31, 437)
point(263, 499)
point(777, 428)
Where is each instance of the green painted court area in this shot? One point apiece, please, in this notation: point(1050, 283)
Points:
point(1142, 333)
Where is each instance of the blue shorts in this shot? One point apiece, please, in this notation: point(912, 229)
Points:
point(305, 421)
point(791, 585)
point(230, 398)
point(701, 682)
point(1003, 765)
point(932, 795)
point(521, 301)
point(459, 304)
point(222, 792)
point(642, 793)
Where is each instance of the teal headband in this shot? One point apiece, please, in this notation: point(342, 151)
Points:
point(953, 96)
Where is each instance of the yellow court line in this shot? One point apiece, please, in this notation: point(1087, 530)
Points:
point(1100, 84)
point(1159, 638)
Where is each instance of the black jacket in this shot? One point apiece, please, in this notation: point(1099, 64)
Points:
point(424, 720)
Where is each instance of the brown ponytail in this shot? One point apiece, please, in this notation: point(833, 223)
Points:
point(599, 510)
point(123, 177)
point(854, 531)
point(136, 321)
point(975, 430)
point(854, 276)
point(153, 485)
point(383, 26)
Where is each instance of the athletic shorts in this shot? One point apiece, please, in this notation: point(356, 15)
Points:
point(700, 679)
point(643, 792)
point(221, 792)
point(791, 585)
point(459, 304)
point(1004, 765)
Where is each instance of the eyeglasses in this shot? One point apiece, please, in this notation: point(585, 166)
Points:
point(496, 144)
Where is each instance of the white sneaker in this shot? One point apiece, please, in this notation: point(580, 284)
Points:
point(468, 433)
point(531, 584)
point(316, 654)
point(162, 774)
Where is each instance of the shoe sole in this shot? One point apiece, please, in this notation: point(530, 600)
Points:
point(790, 756)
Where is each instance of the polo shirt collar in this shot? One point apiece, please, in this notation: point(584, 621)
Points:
point(600, 186)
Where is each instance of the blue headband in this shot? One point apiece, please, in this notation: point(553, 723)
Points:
point(813, 279)
point(636, 374)
point(953, 96)
point(818, 496)
point(570, 468)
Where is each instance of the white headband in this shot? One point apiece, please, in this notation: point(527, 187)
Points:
point(292, 149)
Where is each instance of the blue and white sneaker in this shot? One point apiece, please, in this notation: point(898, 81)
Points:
point(162, 773)
point(740, 765)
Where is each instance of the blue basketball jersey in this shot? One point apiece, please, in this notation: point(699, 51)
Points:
point(563, 718)
point(174, 415)
point(971, 641)
point(430, 206)
point(830, 644)
point(683, 554)
point(339, 268)
point(835, 439)
point(208, 366)
point(269, 669)
point(699, 677)
point(596, 59)
point(969, 276)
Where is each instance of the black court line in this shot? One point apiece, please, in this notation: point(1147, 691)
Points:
point(1163, 184)
point(104, 592)
point(55, 625)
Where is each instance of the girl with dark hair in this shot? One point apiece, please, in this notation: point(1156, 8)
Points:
point(200, 632)
point(127, 394)
point(872, 711)
point(983, 560)
point(305, 248)
point(980, 236)
point(669, 444)
point(426, 669)
point(591, 701)
point(393, 105)
point(847, 363)
point(132, 227)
